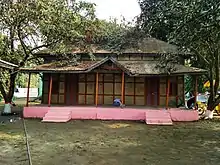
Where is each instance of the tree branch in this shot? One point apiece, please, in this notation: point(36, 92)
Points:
point(23, 45)
point(201, 56)
point(43, 46)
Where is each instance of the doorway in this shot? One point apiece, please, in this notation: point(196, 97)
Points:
point(71, 89)
point(152, 91)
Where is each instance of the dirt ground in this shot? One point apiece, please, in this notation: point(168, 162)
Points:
point(107, 143)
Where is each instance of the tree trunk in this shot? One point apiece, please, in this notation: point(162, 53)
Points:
point(9, 95)
point(213, 101)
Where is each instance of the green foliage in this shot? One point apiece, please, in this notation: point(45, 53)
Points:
point(114, 36)
point(189, 84)
point(154, 19)
point(22, 80)
point(192, 25)
point(28, 26)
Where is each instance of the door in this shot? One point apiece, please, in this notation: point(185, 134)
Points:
point(71, 89)
point(152, 91)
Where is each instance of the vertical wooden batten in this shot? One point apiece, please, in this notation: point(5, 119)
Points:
point(97, 89)
point(167, 92)
point(122, 87)
point(28, 90)
point(50, 90)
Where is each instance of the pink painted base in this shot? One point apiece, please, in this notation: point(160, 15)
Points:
point(93, 113)
point(183, 115)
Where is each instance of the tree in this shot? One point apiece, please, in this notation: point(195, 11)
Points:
point(28, 26)
point(153, 19)
point(192, 25)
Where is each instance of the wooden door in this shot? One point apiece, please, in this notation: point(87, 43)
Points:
point(152, 91)
point(71, 89)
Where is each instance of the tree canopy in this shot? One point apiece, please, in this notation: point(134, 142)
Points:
point(28, 26)
point(192, 25)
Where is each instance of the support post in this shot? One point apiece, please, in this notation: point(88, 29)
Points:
point(122, 87)
point(177, 92)
point(50, 90)
point(167, 92)
point(97, 89)
point(28, 89)
point(196, 89)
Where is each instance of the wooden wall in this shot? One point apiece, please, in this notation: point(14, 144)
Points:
point(86, 89)
point(134, 91)
point(176, 90)
point(80, 89)
point(109, 88)
point(58, 88)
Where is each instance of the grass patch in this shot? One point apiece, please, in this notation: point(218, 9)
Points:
point(108, 142)
point(130, 143)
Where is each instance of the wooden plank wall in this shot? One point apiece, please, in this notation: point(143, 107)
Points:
point(109, 88)
point(58, 89)
point(176, 90)
point(81, 90)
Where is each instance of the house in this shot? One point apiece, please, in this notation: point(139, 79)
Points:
point(133, 76)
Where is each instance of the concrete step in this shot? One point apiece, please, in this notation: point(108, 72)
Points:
point(158, 117)
point(57, 117)
point(57, 114)
point(55, 111)
point(56, 120)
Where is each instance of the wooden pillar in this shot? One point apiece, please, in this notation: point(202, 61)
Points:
point(167, 92)
point(177, 92)
point(50, 90)
point(122, 87)
point(97, 89)
point(196, 88)
point(28, 89)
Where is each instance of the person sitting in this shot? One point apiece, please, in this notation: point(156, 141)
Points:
point(118, 103)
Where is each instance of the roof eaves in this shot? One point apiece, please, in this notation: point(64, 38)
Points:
point(7, 65)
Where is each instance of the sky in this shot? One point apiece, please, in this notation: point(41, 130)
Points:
point(116, 8)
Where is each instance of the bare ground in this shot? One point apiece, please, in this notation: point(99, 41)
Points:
point(107, 143)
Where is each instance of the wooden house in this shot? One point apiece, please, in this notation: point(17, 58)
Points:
point(133, 76)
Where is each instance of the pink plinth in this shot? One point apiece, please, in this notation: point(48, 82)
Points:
point(184, 115)
point(35, 112)
point(93, 113)
point(120, 114)
point(84, 114)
